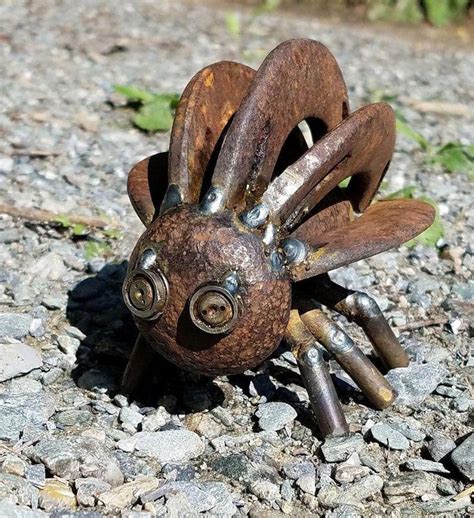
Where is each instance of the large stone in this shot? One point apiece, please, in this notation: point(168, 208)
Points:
point(76, 457)
point(14, 325)
point(275, 416)
point(425, 465)
point(128, 494)
point(413, 384)
point(166, 446)
point(87, 490)
point(19, 410)
point(386, 435)
point(440, 446)
point(409, 485)
point(56, 494)
point(463, 457)
point(17, 490)
point(16, 359)
point(331, 496)
point(9, 510)
point(337, 449)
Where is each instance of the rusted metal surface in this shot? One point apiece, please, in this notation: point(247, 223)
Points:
point(350, 357)
point(359, 147)
point(315, 373)
point(208, 102)
point(147, 184)
point(243, 229)
point(298, 80)
point(384, 225)
point(191, 250)
point(362, 309)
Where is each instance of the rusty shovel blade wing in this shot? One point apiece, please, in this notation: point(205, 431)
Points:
point(359, 147)
point(299, 80)
point(384, 225)
point(146, 186)
point(207, 104)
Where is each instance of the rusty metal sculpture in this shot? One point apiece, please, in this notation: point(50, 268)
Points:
point(244, 222)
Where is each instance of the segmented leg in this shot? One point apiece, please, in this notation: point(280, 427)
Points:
point(316, 378)
point(350, 357)
point(364, 311)
point(299, 80)
point(384, 225)
point(137, 366)
point(146, 184)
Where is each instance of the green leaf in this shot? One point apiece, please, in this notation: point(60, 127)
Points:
point(455, 157)
point(64, 221)
point(404, 129)
point(95, 249)
point(232, 22)
point(345, 183)
point(442, 12)
point(267, 6)
point(404, 11)
point(112, 233)
point(133, 93)
point(406, 192)
point(155, 116)
point(433, 233)
point(80, 230)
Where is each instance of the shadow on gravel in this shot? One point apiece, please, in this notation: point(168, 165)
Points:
point(95, 306)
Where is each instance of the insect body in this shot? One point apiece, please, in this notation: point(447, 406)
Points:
point(244, 220)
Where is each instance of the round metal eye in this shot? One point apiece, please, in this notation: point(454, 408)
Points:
point(145, 293)
point(214, 309)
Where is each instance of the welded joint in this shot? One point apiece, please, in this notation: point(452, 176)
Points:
point(361, 306)
point(212, 202)
point(339, 342)
point(256, 216)
point(173, 197)
point(311, 357)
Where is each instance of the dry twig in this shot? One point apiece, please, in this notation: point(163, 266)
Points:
point(46, 216)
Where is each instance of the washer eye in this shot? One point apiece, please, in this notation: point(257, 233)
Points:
point(145, 293)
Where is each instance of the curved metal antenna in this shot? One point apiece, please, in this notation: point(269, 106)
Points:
point(207, 104)
point(299, 80)
point(360, 146)
point(384, 225)
point(146, 185)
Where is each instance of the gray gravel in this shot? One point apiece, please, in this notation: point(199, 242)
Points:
point(234, 446)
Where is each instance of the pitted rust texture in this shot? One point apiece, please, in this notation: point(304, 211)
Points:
point(191, 250)
point(299, 80)
point(202, 114)
point(243, 229)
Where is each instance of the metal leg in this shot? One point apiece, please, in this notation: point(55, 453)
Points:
point(315, 374)
point(365, 312)
point(138, 363)
point(350, 357)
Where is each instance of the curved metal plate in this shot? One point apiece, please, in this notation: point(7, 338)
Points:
point(207, 104)
point(384, 225)
point(146, 185)
point(360, 146)
point(299, 80)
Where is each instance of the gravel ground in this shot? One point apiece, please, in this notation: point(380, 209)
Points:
point(70, 443)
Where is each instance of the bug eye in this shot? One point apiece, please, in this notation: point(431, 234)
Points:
point(145, 293)
point(214, 309)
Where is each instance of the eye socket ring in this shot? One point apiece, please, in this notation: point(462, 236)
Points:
point(145, 293)
point(214, 309)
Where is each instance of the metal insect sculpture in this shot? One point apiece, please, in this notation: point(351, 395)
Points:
point(244, 220)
